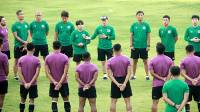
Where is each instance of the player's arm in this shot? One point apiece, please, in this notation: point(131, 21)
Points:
point(6, 65)
point(186, 37)
point(56, 33)
point(167, 100)
point(183, 73)
point(112, 36)
point(31, 30)
point(176, 39)
point(47, 29)
point(18, 38)
point(36, 75)
point(128, 75)
point(110, 75)
point(78, 79)
point(94, 79)
point(21, 76)
point(95, 34)
point(156, 75)
point(48, 73)
point(64, 74)
point(182, 105)
point(72, 38)
point(148, 39)
point(131, 39)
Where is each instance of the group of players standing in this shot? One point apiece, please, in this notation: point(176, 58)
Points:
point(70, 42)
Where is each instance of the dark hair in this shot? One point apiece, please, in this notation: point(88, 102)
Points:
point(189, 48)
point(195, 16)
point(166, 16)
point(18, 11)
point(1, 17)
point(86, 56)
point(117, 47)
point(64, 14)
point(160, 48)
point(30, 46)
point(1, 41)
point(56, 45)
point(79, 22)
point(138, 12)
point(175, 71)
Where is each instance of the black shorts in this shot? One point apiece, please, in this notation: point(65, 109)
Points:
point(103, 53)
point(115, 91)
point(3, 87)
point(78, 58)
point(139, 53)
point(197, 54)
point(67, 50)
point(7, 53)
point(32, 91)
point(195, 93)
point(170, 55)
point(42, 49)
point(157, 93)
point(19, 52)
point(64, 91)
point(89, 93)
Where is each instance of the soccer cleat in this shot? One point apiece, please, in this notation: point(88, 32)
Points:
point(16, 78)
point(133, 77)
point(105, 77)
point(147, 77)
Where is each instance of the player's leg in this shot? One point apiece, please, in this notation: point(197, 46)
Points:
point(81, 104)
point(44, 51)
point(2, 96)
point(113, 105)
point(102, 58)
point(33, 93)
point(144, 56)
point(3, 92)
point(135, 57)
point(64, 91)
point(92, 102)
point(128, 104)
point(54, 94)
point(23, 94)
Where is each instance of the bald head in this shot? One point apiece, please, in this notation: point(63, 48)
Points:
point(38, 16)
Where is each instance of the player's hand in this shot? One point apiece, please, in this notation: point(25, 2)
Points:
point(55, 83)
point(28, 85)
point(177, 107)
point(57, 87)
point(25, 43)
point(80, 44)
point(148, 48)
point(194, 82)
point(87, 38)
point(87, 86)
point(119, 85)
point(132, 47)
point(123, 86)
point(164, 79)
point(103, 36)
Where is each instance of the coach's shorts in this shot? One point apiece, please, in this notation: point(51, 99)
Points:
point(64, 91)
point(157, 92)
point(115, 91)
point(89, 93)
point(32, 91)
point(7, 53)
point(195, 93)
point(170, 55)
point(19, 52)
point(3, 87)
point(103, 53)
point(67, 50)
point(78, 58)
point(42, 49)
point(139, 53)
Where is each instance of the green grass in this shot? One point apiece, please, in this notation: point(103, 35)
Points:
point(121, 17)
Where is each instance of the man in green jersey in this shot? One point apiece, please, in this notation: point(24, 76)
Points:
point(140, 43)
point(175, 92)
point(39, 30)
point(168, 36)
point(79, 38)
point(192, 35)
point(63, 32)
point(20, 30)
point(106, 34)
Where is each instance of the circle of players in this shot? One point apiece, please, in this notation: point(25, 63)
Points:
point(72, 43)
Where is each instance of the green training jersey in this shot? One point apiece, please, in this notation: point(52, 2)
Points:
point(175, 90)
point(190, 33)
point(22, 30)
point(167, 36)
point(140, 32)
point(64, 30)
point(104, 43)
point(78, 37)
point(39, 32)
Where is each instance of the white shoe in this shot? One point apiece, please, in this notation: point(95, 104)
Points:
point(105, 77)
point(133, 77)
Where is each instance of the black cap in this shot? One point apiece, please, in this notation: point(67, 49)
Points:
point(103, 18)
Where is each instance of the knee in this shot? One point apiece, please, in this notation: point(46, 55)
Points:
point(145, 62)
point(154, 106)
point(135, 62)
point(94, 109)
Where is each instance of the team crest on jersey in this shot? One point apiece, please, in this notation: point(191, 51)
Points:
point(191, 31)
point(43, 26)
point(169, 31)
point(68, 27)
point(26, 26)
point(144, 28)
point(136, 28)
point(100, 30)
point(18, 27)
point(83, 35)
point(198, 31)
point(61, 27)
point(76, 36)
point(108, 30)
point(35, 26)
